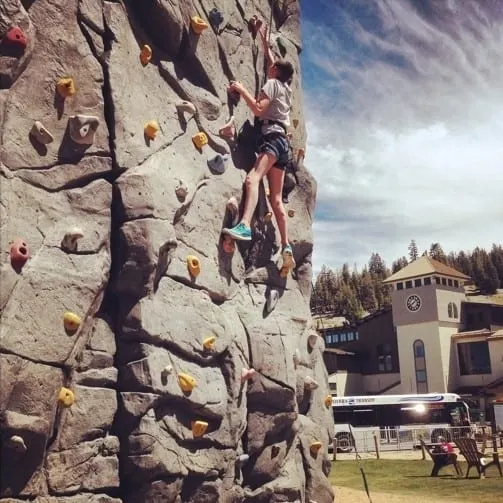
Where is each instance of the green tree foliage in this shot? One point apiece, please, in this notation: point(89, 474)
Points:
point(353, 294)
point(413, 252)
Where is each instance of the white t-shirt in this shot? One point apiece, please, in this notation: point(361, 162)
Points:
point(280, 95)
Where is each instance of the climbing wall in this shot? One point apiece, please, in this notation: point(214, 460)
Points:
point(142, 358)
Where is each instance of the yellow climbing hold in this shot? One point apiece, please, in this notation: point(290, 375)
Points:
point(186, 382)
point(198, 24)
point(328, 401)
point(199, 428)
point(315, 447)
point(66, 87)
point(209, 342)
point(151, 129)
point(66, 397)
point(200, 139)
point(193, 265)
point(71, 322)
point(145, 54)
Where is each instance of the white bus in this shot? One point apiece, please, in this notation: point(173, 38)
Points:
point(398, 420)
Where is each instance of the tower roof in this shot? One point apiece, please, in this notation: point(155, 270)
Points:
point(423, 266)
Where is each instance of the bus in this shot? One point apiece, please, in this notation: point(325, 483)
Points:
point(398, 420)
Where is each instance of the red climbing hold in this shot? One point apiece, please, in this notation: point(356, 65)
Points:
point(16, 36)
point(19, 254)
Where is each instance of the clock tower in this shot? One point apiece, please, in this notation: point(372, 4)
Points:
point(426, 301)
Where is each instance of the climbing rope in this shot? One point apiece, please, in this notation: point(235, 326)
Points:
point(360, 467)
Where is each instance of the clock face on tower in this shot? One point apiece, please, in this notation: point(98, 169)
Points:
point(413, 303)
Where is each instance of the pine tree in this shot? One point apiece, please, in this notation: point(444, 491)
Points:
point(413, 253)
point(367, 292)
point(398, 264)
point(437, 253)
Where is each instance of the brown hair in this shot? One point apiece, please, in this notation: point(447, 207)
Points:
point(285, 70)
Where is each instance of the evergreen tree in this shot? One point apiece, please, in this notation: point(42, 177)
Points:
point(398, 264)
point(367, 292)
point(413, 252)
point(437, 253)
point(496, 256)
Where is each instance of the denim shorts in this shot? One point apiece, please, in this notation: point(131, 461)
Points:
point(277, 145)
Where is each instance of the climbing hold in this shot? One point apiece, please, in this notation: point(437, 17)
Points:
point(66, 397)
point(255, 24)
point(281, 46)
point(247, 374)
point(69, 241)
point(145, 55)
point(267, 192)
point(243, 458)
point(301, 154)
point(181, 191)
point(328, 401)
point(200, 139)
point(229, 129)
point(19, 254)
point(71, 322)
point(167, 370)
point(291, 213)
point(295, 122)
point(186, 107)
point(312, 340)
point(233, 208)
point(228, 244)
point(315, 447)
point(209, 342)
point(193, 265)
point(82, 128)
point(16, 443)
point(296, 357)
point(198, 24)
point(41, 134)
point(17, 37)
point(215, 18)
point(268, 217)
point(310, 383)
point(199, 428)
point(151, 129)
point(217, 164)
point(186, 382)
point(272, 300)
point(66, 87)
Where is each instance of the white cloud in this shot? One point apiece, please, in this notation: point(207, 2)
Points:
point(405, 131)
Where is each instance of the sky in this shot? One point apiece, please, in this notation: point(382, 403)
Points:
point(403, 101)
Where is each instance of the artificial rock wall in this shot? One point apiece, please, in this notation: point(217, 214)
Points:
point(123, 376)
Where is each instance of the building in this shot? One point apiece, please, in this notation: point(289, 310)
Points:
point(434, 338)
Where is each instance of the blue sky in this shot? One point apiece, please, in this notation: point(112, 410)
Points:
point(403, 102)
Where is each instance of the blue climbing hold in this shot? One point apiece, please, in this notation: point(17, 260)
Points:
point(215, 17)
point(217, 164)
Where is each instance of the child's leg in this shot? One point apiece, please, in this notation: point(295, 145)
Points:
point(276, 178)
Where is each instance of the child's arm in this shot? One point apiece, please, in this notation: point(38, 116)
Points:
point(267, 50)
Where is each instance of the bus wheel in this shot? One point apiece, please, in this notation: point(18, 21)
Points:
point(344, 442)
point(441, 432)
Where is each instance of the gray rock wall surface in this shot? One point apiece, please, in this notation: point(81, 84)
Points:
point(123, 376)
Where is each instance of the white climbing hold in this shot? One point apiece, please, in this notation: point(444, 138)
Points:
point(229, 129)
point(41, 133)
point(83, 128)
point(310, 383)
point(17, 444)
point(181, 191)
point(243, 458)
point(167, 370)
point(247, 374)
point(296, 357)
point(272, 300)
point(217, 164)
point(186, 107)
point(70, 239)
point(312, 340)
point(233, 209)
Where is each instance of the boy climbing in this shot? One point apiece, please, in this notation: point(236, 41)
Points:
point(272, 107)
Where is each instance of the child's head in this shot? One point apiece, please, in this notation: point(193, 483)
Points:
point(283, 71)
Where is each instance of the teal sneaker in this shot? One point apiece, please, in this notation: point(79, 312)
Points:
point(240, 232)
point(287, 255)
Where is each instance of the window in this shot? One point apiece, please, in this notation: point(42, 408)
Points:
point(449, 282)
point(474, 358)
point(356, 336)
point(444, 281)
point(388, 363)
point(427, 281)
point(335, 337)
point(329, 339)
point(342, 337)
point(456, 283)
point(408, 284)
point(420, 367)
point(454, 310)
point(481, 316)
point(350, 336)
point(399, 286)
point(449, 310)
point(384, 359)
point(437, 280)
point(417, 282)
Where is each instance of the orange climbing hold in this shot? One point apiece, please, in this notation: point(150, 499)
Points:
point(19, 254)
point(16, 36)
point(66, 87)
point(66, 397)
point(229, 129)
point(151, 129)
point(198, 24)
point(247, 374)
point(209, 342)
point(199, 428)
point(193, 265)
point(186, 382)
point(228, 244)
point(145, 55)
point(200, 139)
point(315, 447)
point(71, 322)
point(328, 401)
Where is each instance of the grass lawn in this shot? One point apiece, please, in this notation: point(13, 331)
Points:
point(409, 477)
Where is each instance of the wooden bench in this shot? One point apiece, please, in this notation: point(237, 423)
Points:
point(441, 459)
point(468, 448)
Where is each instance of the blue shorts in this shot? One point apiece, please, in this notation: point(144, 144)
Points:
point(276, 144)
